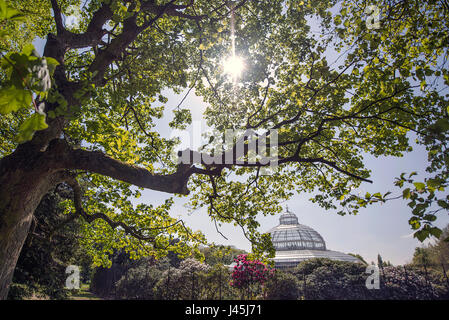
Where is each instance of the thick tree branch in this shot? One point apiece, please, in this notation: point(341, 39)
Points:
point(94, 33)
point(171, 9)
point(64, 157)
point(58, 17)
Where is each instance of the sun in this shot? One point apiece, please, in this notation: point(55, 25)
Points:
point(233, 66)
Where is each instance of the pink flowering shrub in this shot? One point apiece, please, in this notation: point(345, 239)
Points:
point(249, 274)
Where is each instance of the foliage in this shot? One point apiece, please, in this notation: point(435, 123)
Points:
point(435, 255)
point(219, 284)
point(282, 286)
point(410, 285)
point(27, 74)
point(138, 283)
point(20, 291)
point(126, 269)
point(219, 254)
point(169, 234)
point(314, 279)
point(327, 279)
point(407, 50)
point(23, 22)
point(149, 279)
point(104, 280)
point(358, 256)
point(189, 281)
point(382, 263)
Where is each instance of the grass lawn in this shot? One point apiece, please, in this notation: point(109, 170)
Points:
point(83, 294)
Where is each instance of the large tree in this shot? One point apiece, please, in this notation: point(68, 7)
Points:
point(96, 124)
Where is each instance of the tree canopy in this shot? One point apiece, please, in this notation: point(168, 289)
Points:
point(330, 82)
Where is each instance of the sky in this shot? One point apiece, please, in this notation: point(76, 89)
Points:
point(379, 229)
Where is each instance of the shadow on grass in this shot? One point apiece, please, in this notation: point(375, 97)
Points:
point(84, 294)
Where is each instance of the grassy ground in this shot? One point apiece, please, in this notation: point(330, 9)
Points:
point(83, 294)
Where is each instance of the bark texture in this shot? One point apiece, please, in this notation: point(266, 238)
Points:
point(24, 179)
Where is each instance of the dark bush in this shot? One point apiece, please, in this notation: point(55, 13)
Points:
point(138, 283)
point(283, 286)
point(328, 279)
point(400, 284)
point(189, 281)
point(104, 280)
point(19, 291)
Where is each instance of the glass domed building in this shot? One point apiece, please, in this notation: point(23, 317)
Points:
point(295, 242)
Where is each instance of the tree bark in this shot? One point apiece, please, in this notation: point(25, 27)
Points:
point(24, 180)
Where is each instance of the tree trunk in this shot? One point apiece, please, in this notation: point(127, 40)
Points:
point(24, 180)
point(29, 172)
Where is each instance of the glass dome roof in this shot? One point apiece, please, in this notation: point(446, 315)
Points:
point(291, 235)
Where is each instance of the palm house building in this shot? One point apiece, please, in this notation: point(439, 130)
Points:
point(295, 242)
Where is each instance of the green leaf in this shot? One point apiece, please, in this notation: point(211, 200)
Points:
point(406, 193)
point(116, 18)
point(29, 50)
point(421, 235)
point(419, 186)
point(414, 173)
point(415, 223)
point(29, 126)
point(442, 125)
point(419, 209)
point(443, 204)
point(433, 183)
point(13, 99)
point(430, 217)
point(412, 204)
point(3, 8)
point(8, 13)
point(436, 232)
point(51, 64)
point(337, 20)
